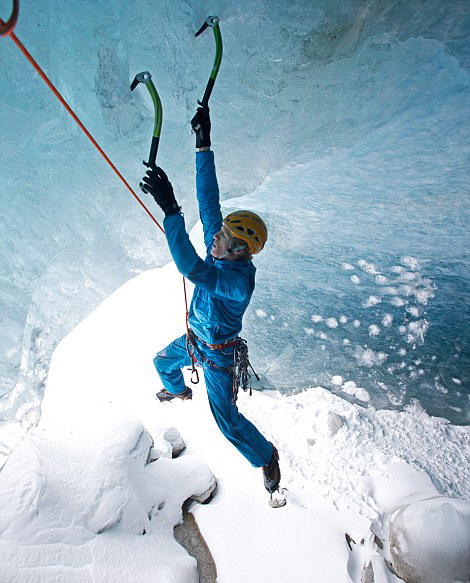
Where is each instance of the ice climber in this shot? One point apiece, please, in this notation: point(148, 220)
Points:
point(224, 282)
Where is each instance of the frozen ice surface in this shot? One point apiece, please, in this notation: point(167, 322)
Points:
point(354, 147)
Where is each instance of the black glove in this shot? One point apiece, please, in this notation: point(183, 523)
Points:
point(201, 124)
point(157, 184)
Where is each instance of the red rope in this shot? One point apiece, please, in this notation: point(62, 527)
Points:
point(7, 29)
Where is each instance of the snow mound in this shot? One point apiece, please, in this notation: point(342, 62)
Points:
point(79, 496)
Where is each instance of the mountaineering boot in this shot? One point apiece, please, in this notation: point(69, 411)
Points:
point(272, 473)
point(165, 395)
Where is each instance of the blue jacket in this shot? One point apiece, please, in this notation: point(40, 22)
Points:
point(223, 288)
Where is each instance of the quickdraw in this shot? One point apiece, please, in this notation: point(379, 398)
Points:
point(241, 374)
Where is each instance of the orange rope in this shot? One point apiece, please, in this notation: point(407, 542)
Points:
point(82, 127)
point(7, 30)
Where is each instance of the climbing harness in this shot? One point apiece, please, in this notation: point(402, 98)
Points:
point(6, 28)
point(146, 79)
point(213, 22)
point(239, 368)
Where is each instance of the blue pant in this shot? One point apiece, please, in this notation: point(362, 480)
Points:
point(238, 430)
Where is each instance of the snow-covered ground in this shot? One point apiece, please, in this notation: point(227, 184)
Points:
point(81, 503)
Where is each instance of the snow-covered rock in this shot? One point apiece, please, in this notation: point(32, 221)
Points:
point(430, 541)
point(79, 494)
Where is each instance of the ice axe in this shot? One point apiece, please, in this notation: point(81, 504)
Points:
point(146, 78)
point(213, 22)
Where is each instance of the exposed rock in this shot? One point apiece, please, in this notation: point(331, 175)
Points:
point(335, 422)
point(173, 436)
point(368, 574)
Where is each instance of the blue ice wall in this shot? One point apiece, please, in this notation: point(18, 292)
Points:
point(347, 121)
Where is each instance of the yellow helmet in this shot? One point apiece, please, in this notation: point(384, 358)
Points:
point(248, 227)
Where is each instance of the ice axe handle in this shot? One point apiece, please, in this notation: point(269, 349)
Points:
point(153, 153)
point(207, 92)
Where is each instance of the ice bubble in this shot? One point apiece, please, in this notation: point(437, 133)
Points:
point(316, 318)
point(322, 336)
point(371, 301)
point(397, 269)
point(405, 290)
point(343, 319)
point(457, 381)
point(402, 351)
point(331, 322)
point(346, 342)
point(260, 313)
point(381, 279)
point(374, 330)
point(368, 267)
point(337, 380)
point(407, 276)
point(349, 387)
point(362, 395)
point(387, 320)
point(417, 330)
point(347, 266)
point(356, 323)
point(397, 302)
point(410, 262)
point(440, 387)
point(368, 357)
point(402, 329)
point(424, 295)
point(355, 279)
point(309, 331)
point(413, 311)
point(390, 291)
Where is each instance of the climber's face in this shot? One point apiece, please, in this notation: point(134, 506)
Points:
point(223, 241)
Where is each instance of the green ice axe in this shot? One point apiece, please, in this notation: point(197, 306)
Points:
point(213, 22)
point(146, 78)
